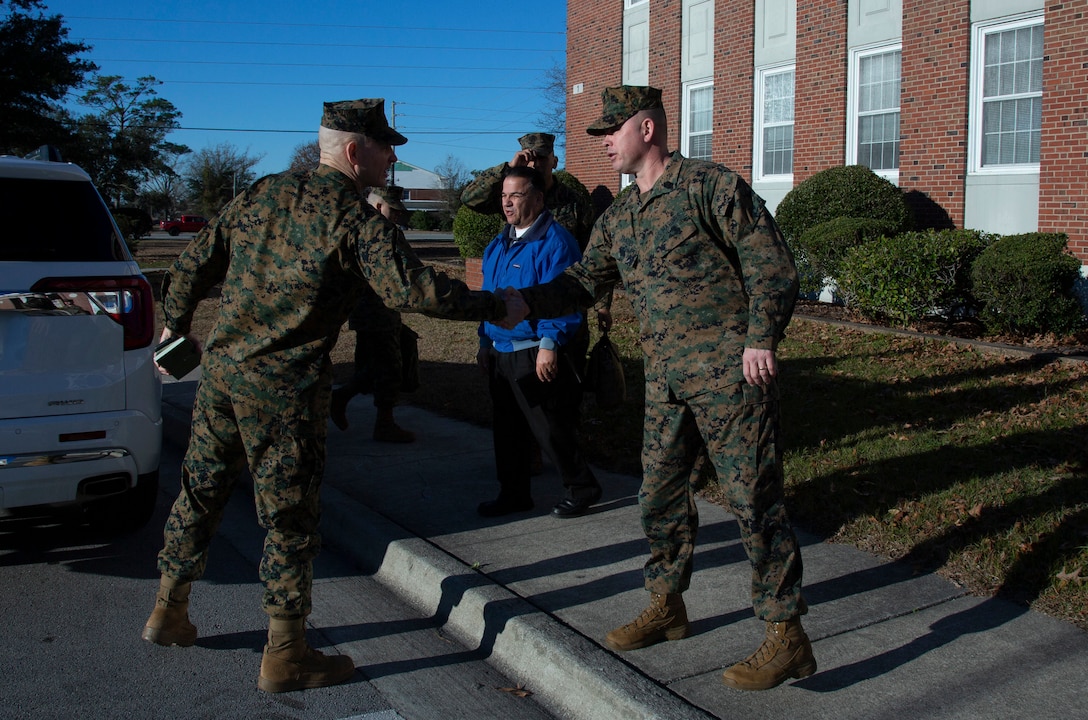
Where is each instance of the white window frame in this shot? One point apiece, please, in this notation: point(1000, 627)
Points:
point(975, 127)
point(686, 133)
point(633, 3)
point(761, 124)
point(853, 104)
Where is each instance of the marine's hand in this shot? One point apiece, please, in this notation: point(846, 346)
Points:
point(522, 158)
point(760, 366)
point(516, 308)
point(604, 319)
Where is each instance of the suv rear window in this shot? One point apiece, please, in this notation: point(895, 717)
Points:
point(55, 221)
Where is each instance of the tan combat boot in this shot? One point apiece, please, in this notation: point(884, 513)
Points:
point(169, 622)
point(666, 618)
point(785, 653)
point(289, 663)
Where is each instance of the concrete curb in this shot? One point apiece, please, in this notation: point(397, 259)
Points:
point(565, 671)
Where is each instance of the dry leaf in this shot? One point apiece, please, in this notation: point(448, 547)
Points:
point(1064, 578)
point(518, 691)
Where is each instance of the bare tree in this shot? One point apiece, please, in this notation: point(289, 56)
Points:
point(553, 118)
point(164, 193)
point(454, 178)
point(307, 156)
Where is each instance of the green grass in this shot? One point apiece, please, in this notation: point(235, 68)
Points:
point(949, 459)
point(943, 457)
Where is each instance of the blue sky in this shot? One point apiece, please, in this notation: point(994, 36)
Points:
point(463, 78)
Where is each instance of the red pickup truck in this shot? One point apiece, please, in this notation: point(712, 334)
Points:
point(184, 223)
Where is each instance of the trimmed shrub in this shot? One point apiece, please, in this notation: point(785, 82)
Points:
point(133, 223)
point(825, 245)
point(420, 220)
point(564, 177)
point(852, 191)
point(1025, 285)
point(912, 276)
point(472, 231)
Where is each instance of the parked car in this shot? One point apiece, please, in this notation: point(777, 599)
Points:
point(184, 223)
point(81, 407)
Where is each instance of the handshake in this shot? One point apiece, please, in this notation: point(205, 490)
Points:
point(516, 308)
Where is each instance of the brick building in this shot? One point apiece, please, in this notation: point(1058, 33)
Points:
point(977, 109)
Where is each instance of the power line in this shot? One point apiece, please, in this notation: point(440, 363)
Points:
point(444, 86)
point(319, 65)
point(249, 23)
point(354, 46)
point(311, 131)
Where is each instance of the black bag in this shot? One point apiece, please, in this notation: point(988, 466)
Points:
point(409, 359)
point(604, 374)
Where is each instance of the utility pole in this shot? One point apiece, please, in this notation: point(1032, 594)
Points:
point(393, 119)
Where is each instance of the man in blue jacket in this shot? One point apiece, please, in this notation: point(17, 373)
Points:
point(534, 369)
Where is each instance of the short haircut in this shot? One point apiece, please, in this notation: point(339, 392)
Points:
point(333, 141)
point(534, 176)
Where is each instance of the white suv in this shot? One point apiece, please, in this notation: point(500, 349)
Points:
point(80, 397)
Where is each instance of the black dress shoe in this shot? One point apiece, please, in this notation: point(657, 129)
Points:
point(574, 507)
point(503, 506)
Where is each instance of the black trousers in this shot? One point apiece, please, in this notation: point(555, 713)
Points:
point(525, 408)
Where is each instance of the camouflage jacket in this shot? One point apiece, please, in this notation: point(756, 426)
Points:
point(705, 266)
point(293, 255)
point(570, 209)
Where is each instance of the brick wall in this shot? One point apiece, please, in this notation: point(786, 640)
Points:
point(1063, 176)
point(595, 59)
point(819, 131)
point(734, 38)
point(666, 36)
point(933, 109)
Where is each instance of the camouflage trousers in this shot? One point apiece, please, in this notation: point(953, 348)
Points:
point(737, 428)
point(378, 362)
point(283, 445)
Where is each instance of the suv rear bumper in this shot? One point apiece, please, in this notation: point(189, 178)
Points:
point(37, 468)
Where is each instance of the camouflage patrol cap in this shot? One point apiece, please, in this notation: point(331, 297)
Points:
point(392, 196)
point(365, 116)
point(540, 142)
point(620, 104)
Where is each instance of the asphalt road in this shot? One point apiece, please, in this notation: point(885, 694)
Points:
point(72, 606)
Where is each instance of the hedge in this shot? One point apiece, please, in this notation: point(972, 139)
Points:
point(851, 191)
point(1025, 285)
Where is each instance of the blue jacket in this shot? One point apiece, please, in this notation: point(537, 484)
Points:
point(540, 255)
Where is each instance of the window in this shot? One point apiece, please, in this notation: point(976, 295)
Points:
point(875, 87)
point(632, 3)
point(1007, 87)
point(774, 142)
point(698, 129)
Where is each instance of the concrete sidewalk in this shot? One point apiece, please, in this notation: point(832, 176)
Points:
point(538, 594)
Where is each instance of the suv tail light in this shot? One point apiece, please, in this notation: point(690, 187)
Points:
point(128, 300)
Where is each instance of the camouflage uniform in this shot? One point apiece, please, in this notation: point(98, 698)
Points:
point(570, 209)
point(708, 274)
point(379, 366)
point(293, 254)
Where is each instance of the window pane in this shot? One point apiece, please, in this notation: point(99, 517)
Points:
point(778, 150)
point(1012, 96)
point(699, 147)
point(777, 134)
point(699, 121)
point(878, 92)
